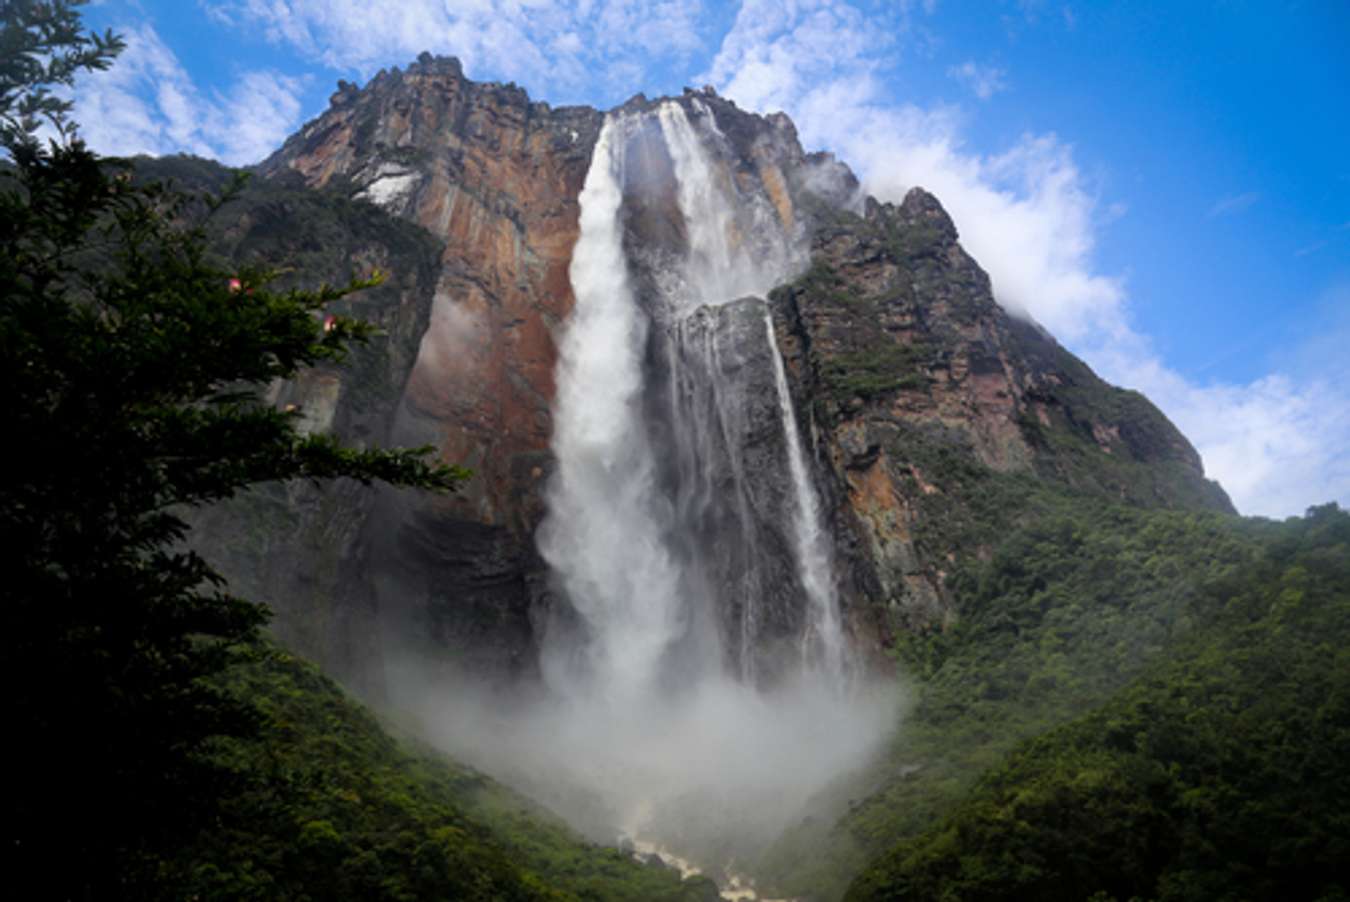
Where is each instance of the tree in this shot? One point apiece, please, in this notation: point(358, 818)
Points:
point(40, 46)
point(133, 365)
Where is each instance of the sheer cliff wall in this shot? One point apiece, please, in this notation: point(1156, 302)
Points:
point(905, 372)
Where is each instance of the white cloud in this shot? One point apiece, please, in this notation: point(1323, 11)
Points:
point(562, 44)
point(776, 52)
point(1277, 444)
point(984, 81)
point(1233, 204)
point(147, 103)
point(1029, 217)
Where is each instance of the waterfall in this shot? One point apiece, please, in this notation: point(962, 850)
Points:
point(812, 544)
point(692, 649)
point(640, 558)
point(720, 268)
point(603, 536)
point(730, 255)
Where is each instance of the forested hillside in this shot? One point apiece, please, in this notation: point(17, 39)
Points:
point(1141, 703)
point(1218, 773)
point(323, 803)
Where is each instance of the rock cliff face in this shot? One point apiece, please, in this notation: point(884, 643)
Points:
point(906, 374)
point(303, 550)
point(494, 178)
point(918, 379)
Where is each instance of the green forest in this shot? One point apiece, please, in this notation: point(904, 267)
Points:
point(1215, 773)
point(1134, 705)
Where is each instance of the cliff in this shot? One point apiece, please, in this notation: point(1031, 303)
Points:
point(914, 389)
point(925, 390)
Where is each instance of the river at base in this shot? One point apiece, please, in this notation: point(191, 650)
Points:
point(731, 884)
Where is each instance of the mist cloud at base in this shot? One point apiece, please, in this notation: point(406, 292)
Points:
point(715, 771)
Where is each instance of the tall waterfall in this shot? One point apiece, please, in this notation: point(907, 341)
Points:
point(647, 560)
point(693, 651)
point(604, 537)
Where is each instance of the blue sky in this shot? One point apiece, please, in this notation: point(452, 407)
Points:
point(1165, 186)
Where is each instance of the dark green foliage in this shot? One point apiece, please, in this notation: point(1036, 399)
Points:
point(1145, 459)
point(324, 804)
point(1219, 773)
point(1062, 600)
point(133, 371)
point(821, 281)
point(887, 368)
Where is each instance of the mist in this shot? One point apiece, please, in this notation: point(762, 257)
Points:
point(714, 773)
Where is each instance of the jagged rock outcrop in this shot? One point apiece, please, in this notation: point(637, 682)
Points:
point(916, 375)
point(906, 372)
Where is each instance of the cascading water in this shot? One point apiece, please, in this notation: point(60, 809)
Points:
point(725, 260)
point(603, 536)
point(640, 560)
point(693, 665)
point(812, 544)
point(722, 265)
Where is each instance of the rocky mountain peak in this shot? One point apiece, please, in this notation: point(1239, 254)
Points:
point(908, 374)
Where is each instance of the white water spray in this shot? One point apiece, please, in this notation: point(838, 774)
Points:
point(602, 535)
point(730, 256)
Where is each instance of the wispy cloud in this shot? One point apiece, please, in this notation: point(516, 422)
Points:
point(147, 103)
point(1030, 218)
point(1233, 204)
point(776, 55)
point(984, 81)
point(595, 44)
point(1310, 249)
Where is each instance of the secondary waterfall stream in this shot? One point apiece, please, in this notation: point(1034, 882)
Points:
point(812, 546)
point(697, 688)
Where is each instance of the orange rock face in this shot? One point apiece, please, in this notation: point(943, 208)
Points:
point(496, 178)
